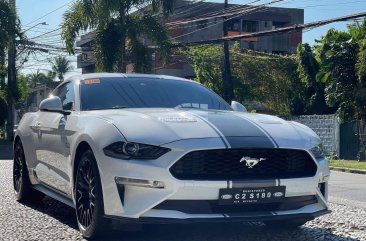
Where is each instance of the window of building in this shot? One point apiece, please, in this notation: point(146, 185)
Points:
point(251, 45)
point(250, 26)
point(202, 24)
point(276, 25)
point(279, 52)
point(233, 25)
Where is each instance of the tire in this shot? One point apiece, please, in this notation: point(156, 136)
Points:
point(89, 198)
point(285, 224)
point(21, 182)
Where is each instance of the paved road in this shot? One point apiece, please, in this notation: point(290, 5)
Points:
point(52, 220)
point(347, 188)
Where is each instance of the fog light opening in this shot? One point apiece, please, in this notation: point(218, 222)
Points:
point(321, 187)
point(139, 182)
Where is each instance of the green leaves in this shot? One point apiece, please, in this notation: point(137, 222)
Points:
point(108, 44)
point(259, 81)
point(118, 30)
point(60, 66)
point(40, 78)
point(341, 71)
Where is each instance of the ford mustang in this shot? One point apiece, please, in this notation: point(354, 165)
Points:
point(160, 149)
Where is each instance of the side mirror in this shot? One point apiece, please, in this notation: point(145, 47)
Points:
point(238, 107)
point(53, 104)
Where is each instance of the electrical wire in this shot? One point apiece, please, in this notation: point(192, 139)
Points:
point(35, 20)
point(251, 9)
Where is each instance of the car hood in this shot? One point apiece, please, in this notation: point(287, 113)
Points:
point(158, 126)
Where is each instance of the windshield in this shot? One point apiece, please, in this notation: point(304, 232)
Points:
point(114, 93)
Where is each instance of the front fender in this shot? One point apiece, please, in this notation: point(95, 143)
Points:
point(97, 133)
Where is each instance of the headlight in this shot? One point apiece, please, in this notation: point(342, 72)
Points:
point(318, 151)
point(131, 150)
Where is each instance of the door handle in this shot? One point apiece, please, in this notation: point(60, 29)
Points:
point(37, 125)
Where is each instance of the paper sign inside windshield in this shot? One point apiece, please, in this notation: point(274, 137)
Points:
point(91, 81)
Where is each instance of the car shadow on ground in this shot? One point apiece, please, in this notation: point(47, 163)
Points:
point(56, 210)
point(191, 232)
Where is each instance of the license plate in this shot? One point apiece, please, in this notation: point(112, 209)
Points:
point(251, 195)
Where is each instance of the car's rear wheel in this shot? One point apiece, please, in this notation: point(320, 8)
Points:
point(285, 224)
point(21, 182)
point(89, 197)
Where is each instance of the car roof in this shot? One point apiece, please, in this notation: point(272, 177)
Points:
point(122, 75)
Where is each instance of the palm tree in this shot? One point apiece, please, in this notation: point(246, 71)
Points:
point(118, 31)
point(61, 65)
point(39, 78)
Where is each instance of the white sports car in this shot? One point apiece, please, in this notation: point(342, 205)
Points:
point(150, 148)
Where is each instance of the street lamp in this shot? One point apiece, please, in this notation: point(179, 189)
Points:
point(43, 23)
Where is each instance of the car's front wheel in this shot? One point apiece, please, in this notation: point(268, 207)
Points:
point(89, 197)
point(21, 182)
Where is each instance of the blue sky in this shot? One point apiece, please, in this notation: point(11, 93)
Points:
point(31, 12)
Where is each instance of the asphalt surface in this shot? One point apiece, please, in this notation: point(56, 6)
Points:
point(348, 188)
point(52, 220)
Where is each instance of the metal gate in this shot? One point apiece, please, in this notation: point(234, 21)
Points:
point(353, 140)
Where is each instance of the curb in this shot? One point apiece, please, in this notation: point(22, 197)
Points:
point(348, 170)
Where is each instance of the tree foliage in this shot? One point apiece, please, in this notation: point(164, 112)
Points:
point(9, 27)
point(257, 78)
point(61, 66)
point(118, 30)
point(310, 95)
point(336, 69)
point(40, 78)
point(24, 90)
point(3, 108)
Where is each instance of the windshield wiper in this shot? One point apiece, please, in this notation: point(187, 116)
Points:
point(109, 108)
point(188, 107)
point(118, 107)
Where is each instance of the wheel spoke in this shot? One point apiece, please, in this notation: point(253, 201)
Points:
point(85, 193)
point(18, 167)
point(85, 177)
point(83, 186)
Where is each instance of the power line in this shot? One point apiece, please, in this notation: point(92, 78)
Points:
point(50, 12)
point(46, 33)
point(226, 13)
point(296, 27)
point(250, 9)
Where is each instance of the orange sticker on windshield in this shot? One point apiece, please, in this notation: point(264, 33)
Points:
point(91, 81)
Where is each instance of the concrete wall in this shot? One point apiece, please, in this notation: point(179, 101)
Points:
point(327, 127)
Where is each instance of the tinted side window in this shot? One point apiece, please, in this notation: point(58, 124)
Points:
point(67, 95)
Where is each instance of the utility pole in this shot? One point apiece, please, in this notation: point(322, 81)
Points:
point(12, 79)
point(228, 82)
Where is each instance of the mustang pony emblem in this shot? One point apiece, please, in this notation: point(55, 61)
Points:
point(251, 162)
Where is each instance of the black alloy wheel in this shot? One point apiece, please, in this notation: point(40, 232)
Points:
point(24, 191)
point(18, 167)
point(89, 197)
point(85, 193)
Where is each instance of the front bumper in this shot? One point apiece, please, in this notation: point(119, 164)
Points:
point(255, 217)
point(142, 203)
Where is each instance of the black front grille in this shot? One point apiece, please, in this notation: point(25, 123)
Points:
point(224, 164)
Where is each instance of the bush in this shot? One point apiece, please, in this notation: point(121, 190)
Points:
point(3, 111)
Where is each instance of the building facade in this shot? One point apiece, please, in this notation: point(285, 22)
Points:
point(195, 21)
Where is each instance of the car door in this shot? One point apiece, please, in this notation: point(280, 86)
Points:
point(52, 146)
